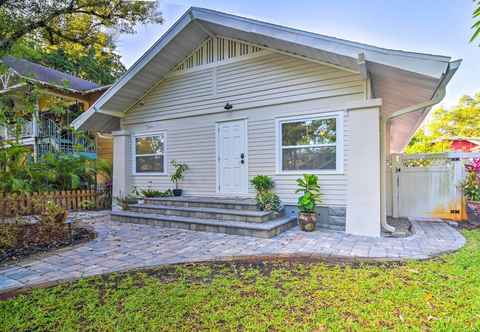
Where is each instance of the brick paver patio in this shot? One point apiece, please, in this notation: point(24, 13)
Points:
point(120, 247)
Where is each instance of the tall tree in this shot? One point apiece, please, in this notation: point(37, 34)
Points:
point(58, 20)
point(74, 36)
point(476, 20)
point(463, 120)
point(99, 63)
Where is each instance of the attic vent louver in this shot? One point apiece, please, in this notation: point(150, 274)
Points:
point(216, 50)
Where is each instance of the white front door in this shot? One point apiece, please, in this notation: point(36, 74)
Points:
point(232, 157)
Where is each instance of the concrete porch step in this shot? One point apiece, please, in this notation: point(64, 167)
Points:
point(266, 229)
point(205, 212)
point(238, 203)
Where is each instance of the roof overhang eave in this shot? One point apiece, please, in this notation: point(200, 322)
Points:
point(420, 63)
point(217, 23)
point(178, 26)
point(437, 97)
point(80, 122)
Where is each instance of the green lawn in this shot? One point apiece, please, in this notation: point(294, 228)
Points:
point(441, 294)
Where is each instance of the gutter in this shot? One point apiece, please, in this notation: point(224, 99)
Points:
point(437, 97)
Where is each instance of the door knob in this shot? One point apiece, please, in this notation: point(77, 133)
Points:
point(242, 155)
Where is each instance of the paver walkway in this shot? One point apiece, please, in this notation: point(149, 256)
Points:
point(120, 247)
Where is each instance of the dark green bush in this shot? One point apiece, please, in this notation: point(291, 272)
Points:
point(156, 193)
point(54, 172)
point(262, 183)
point(268, 201)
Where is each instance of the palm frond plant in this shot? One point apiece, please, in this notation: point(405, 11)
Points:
point(476, 19)
point(178, 175)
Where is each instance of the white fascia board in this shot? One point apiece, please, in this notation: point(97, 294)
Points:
point(424, 64)
point(178, 26)
point(82, 118)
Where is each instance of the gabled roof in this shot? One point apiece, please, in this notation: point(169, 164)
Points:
point(418, 75)
point(47, 76)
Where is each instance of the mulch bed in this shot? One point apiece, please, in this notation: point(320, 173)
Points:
point(78, 235)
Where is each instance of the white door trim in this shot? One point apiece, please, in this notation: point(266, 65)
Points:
point(218, 185)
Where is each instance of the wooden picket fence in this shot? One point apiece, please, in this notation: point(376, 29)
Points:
point(32, 203)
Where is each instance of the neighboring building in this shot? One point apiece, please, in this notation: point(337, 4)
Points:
point(234, 97)
point(48, 130)
point(463, 144)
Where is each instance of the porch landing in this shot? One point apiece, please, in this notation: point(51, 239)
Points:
point(125, 246)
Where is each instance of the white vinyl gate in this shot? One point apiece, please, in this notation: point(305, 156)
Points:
point(427, 186)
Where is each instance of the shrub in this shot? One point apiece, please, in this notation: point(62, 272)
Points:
point(52, 224)
point(151, 193)
point(268, 201)
point(262, 183)
point(20, 174)
point(471, 184)
point(157, 193)
point(308, 185)
point(88, 205)
point(9, 234)
point(53, 214)
point(471, 187)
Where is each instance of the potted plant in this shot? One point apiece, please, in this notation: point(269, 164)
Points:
point(307, 202)
point(266, 199)
point(177, 176)
point(471, 191)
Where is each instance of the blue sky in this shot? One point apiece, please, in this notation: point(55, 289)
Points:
point(430, 26)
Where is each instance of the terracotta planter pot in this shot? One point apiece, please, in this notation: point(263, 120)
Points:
point(473, 212)
point(307, 221)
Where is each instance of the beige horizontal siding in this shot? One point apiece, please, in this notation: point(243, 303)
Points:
point(201, 95)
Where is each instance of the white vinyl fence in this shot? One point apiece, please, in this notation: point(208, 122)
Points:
point(427, 185)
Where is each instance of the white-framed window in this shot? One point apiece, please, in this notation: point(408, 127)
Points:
point(311, 143)
point(149, 155)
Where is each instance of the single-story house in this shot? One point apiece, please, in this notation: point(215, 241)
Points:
point(234, 97)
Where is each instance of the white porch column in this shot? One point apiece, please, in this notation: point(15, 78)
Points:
point(363, 173)
point(121, 151)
